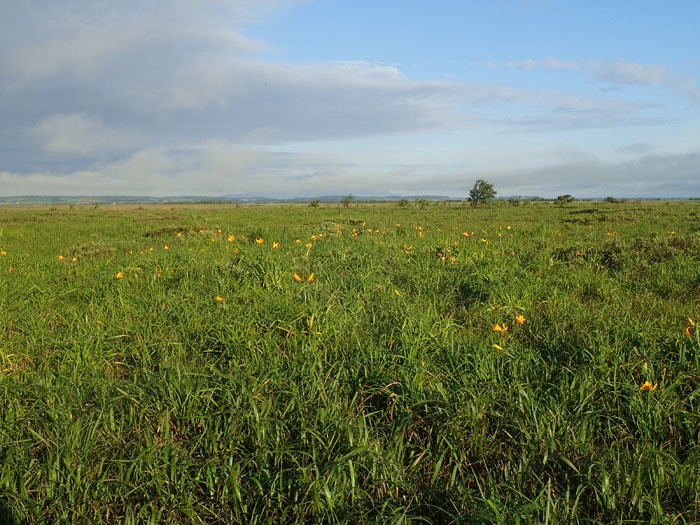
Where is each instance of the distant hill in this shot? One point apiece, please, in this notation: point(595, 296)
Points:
point(37, 200)
point(33, 200)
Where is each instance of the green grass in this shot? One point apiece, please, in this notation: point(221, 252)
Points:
point(372, 393)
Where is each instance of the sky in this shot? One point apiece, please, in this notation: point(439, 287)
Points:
point(295, 98)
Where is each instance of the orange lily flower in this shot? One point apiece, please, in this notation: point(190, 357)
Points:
point(647, 386)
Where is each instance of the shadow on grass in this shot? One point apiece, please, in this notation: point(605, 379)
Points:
point(6, 516)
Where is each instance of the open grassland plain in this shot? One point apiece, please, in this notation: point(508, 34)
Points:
point(413, 363)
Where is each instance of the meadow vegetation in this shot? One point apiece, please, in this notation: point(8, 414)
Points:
point(359, 363)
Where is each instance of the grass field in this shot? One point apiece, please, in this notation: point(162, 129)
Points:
point(365, 364)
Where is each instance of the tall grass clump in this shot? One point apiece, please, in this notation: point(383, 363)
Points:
point(350, 364)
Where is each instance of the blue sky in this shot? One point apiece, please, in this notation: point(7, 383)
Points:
point(317, 97)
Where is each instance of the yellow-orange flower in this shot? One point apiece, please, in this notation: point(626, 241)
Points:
point(220, 299)
point(275, 245)
point(166, 247)
point(61, 258)
point(119, 275)
point(3, 253)
point(498, 347)
point(647, 386)
point(297, 278)
point(500, 329)
point(520, 320)
point(231, 238)
point(74, 259)
point(260, 240)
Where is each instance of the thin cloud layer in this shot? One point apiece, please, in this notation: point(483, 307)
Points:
point(550, 64)
point(618, 73)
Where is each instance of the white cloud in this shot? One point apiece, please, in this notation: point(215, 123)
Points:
point(584, 175)
point(636, 148)
point(618, 73)
point(76, 134)
point(627, 73)
point(577, 113)
point(48, 40)
point(631, 73)
point(364, 70)
point(216, 169)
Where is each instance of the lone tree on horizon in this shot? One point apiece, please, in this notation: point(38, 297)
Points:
point(347, 199)
point(481, 192)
